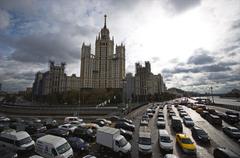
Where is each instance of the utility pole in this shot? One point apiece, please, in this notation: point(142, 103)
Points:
point(212, 94)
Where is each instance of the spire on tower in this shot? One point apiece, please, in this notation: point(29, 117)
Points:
point(105, 21)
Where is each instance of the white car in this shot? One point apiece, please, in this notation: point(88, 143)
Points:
point(68, 127)
point(188, 121)
point(165, 141)
point(70, 119)
point(161, 123)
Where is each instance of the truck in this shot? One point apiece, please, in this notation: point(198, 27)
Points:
point(111, 138)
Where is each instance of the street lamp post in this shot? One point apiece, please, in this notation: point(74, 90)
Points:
point(212, 94)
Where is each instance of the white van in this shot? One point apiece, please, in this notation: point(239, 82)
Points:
point(50, 146)
point(17, 141)
point(70, 119)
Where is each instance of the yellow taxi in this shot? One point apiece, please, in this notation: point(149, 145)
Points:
point(186, 144)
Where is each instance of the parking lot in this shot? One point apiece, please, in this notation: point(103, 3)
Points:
point(218, 138)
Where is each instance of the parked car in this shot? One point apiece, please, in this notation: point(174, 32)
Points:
point(160, 114)
point(35, 128)
point(232, 132)
point(58, 132)
point(89, 156)
point(204, 114)
point(182, 114)
point(127, 134)
point(214, 120)
point(232, 113)
point(161, 123)
point(188, 121)
point(78, 144)
point(145, 117)
point(224, 153)
point(107, 122)
point(114, 118)
point(100, 123)
point(70, 119)
point(145, 142)
point(200, 135)
point(176, 124)
point(165, 141)
point(125, 125)
point(68, 127)
point(170, 156)
point(144, 122)
point(126, 120)
point(186, 144)
point(37, 135)
point(6, 153)
point(50, 123)
point(232, 119)
point(84, 133)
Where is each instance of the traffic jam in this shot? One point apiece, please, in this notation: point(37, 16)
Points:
point(166, 129)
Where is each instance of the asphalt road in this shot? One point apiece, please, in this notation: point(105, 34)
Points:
point(218, 138)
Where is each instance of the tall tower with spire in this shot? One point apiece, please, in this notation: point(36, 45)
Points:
point(108, 68)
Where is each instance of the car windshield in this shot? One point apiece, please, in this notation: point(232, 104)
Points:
point(122, 142)
point(160, 119)
point(23, 141)
point(144, 141)
point(188, 119)
point(201, 132)
point(63, 148)
point(187, 141)
point(165, 139)
point(235, 130)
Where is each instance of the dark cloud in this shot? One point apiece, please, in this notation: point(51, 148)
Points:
point(41, 48)
point(198, 69)
point(183, 5)
point(200, 57)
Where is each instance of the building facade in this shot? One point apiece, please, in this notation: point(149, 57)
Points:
point(54, 81)
point(144, 82)
point(105, 69)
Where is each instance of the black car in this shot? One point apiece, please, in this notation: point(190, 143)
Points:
point(232, 119)
point(78, 144)
point(126, 120)
point(176, 124)
point(6, 153)
point(58, 132)
point(224, 153)
point(84, 133)
point(100, 123)
point(35, 128)
point(232, 113)
point(125, 125)
point(37, 135)
point(200, 135)
point(17, 126)
point(50, 123)
point(232, 132)
point(114, 118)
point(127, 134)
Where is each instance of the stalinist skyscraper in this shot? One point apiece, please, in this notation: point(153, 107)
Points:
point(105, 69)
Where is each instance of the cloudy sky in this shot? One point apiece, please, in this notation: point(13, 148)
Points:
point(195, 44)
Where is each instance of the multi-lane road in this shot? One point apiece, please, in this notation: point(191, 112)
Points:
point(218, 138)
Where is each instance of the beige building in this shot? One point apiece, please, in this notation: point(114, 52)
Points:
point(105, 69)
point(145, 82)
point(55, 81)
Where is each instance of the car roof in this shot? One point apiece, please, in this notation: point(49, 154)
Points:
point(50, 139)
point(231, 127)
point(163, 132)
point(181, 135)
